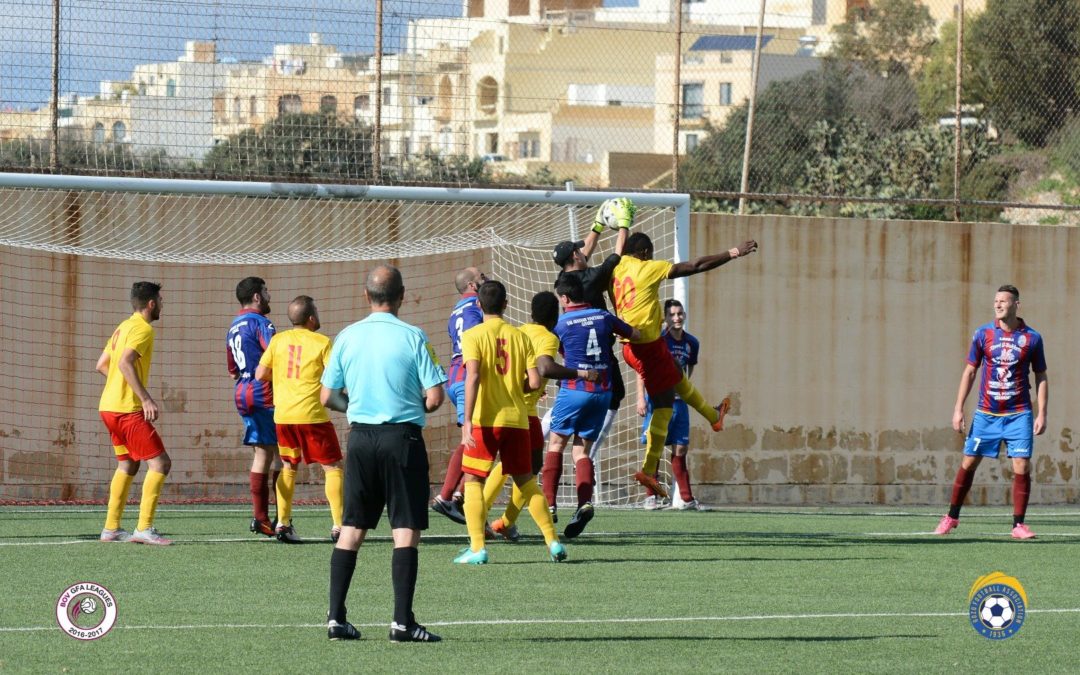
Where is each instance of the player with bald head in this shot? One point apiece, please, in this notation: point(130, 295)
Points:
point(294, 362)
point(465, 315)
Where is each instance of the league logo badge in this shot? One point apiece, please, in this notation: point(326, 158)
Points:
point(86, 611)
point(997, 606)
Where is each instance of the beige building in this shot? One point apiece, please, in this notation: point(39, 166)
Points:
point(715, 77)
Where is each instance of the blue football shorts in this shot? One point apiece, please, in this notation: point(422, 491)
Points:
point(988, 431)
point(456, 392)
point(579, 412)
point(678, 430)
point(259, 428)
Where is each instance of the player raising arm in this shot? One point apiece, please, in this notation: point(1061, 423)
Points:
point(636, 291)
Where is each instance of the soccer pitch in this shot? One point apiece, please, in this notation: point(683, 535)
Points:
point(745, 590)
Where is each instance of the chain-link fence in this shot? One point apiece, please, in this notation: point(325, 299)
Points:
point(852, 107)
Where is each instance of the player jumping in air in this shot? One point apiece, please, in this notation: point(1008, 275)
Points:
point(636, 292)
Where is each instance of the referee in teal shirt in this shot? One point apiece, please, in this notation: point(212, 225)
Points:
point(392, 379)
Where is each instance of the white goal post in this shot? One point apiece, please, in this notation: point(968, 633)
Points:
point(198, 238)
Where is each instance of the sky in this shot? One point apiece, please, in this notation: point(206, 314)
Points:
point(106, 39)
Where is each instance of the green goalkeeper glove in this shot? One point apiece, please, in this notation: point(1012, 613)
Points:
point(623, 210)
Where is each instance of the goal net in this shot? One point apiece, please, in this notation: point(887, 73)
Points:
point(70, 248)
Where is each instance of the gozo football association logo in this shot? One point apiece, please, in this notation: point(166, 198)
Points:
point(86, 611)
point(997, 606)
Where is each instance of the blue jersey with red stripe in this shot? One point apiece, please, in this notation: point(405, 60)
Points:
point(246, 341)
point(1005, 358)
point(684, 351)
point(587, 334)
point(466, 314)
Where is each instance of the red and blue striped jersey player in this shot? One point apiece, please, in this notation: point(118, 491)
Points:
point(465, 315)
point(1002, 353)
point(635, 286)
point(247, 339)
point(587, 335)
point(684, 348)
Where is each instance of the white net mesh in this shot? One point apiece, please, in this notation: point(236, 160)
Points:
point(68, 259)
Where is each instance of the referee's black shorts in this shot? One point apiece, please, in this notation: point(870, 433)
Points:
point(387, 465)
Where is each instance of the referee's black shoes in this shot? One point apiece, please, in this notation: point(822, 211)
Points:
point(413, 633)
point(341, 631)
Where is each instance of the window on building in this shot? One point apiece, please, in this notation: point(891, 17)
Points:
point(476, 9)
point(119, 132)
point(253, 107)
point(387, 96)
point(237, 109)
point(519, 8)
point(693, 100)
point(528, 146)
point(691, 142)
point(487, 95)
point(98, 136)
point(170, 87)
point(328, 105)
point(819, 12)
point(725, 93)
point(361, 104)
point(726, 57)
point(142, 88)
point(289, 104)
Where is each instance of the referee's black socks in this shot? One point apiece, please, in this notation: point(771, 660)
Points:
point(403, 567)
point(342, 565)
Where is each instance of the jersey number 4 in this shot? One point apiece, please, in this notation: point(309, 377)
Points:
point(592, 347)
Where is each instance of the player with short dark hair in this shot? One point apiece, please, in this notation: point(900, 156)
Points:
point(393, 381)
point(545, 344)
point(498, 373)
point(246, 340)
point(586, 334)
point(684, 348)
point(294, 362)
point(636, 290)
point(573, 260)
point(129, 412)
point(1004, 350)
point(465, 315)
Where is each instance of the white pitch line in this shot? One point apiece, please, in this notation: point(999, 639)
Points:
point(568, 622)
point(527, 538)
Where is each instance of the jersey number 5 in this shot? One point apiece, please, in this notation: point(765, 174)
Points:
point(502, 358)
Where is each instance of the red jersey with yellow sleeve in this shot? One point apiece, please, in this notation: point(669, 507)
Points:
point(504, 354)
point(635, 287)
point(136, 334)
point(544, 343)
point(297, 359)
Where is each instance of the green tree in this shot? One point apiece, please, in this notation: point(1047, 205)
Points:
point(430, 166)
point(1033, 61)
point(895, 37)
point(937, 80)
point(296, 145)
point(785, 117)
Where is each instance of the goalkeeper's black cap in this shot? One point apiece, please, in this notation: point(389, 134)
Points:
point(564, 251)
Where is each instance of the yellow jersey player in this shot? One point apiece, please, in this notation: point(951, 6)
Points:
point(129, 413)
point(294, 362)
point(498, 362)
point(635, 286)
